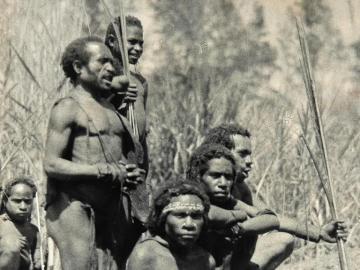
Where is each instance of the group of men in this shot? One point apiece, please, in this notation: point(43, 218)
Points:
point(93, 161)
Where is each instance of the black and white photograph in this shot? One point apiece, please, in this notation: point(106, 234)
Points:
point(179, 135)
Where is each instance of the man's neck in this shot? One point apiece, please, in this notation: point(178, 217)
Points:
point(90, 92)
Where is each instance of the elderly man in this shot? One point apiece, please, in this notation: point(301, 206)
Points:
point(88, 149)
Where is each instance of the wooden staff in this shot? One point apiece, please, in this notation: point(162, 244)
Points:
point(319, 131)
point(122, 41)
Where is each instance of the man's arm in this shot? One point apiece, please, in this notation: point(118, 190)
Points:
point(328, 232)
point(220, 218)
point(63, 119)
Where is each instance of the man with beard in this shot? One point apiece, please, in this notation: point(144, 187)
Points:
point(177, 219)
point(86, 162)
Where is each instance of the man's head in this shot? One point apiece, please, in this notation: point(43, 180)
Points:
point(237, 140)
point(135, 39)
point(179, 213)
point(87, 61)
point(18, 197)
point(213, 165)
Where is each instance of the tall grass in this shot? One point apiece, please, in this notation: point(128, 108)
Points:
point(182, 106)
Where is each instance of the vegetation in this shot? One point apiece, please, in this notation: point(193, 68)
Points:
point(214, 63)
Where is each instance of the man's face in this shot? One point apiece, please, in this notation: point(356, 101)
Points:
point(135, 42)
point(184, 223)
point(19, 204)
point(242, 154)
point(218, 179)
point(99, 71)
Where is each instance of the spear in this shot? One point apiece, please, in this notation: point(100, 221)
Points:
point(319, 133)
point(122, 41)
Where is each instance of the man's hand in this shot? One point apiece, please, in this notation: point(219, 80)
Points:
point(134, 176)
point(120, 85)
point(111, 172)
point(329, 232)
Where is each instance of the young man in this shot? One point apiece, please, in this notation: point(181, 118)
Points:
point(19, 239)
point(177, 219)
point(273, 248)
point(86, 161)
point(214, 166)
point(138, 90)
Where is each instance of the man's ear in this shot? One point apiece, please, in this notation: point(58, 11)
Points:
point(77, 66)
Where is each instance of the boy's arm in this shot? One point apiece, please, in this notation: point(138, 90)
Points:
point(264, 222)
point(250, 210)
point(220, 218)
point(328, 232)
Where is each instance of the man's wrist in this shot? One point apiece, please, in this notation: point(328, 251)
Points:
point(104, 171)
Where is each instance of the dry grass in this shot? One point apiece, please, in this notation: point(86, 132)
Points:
point(181, 109)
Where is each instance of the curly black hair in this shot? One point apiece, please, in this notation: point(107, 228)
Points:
point(130, 21)
point(170, 189)
point(76, 50)
point(198, 163)
point(19, 180)
point(222, 134)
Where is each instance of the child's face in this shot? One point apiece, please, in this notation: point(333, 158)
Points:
point(19, 204)
point(135, 42)
point(218, 179)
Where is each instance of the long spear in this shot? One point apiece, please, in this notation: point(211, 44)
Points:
point(122, 41)
point(319, 131)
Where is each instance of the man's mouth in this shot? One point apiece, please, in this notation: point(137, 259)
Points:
point(107, 79)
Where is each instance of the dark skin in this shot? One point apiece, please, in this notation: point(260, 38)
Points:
point(68, 122)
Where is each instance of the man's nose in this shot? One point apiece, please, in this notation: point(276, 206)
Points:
point(223, 182)
point(189, 223)
point(138, 47)
point(23, 206)
point(248, 161)
point(110, 68)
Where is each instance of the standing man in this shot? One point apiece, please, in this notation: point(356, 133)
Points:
point(178, 218)
point(137, 92)
point(86, 162)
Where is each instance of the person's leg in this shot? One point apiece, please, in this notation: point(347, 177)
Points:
point(9, 252)
point(71, 225)
point(272, 249)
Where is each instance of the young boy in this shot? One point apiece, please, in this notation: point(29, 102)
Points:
point(19, 239)
point(213, 165)
point(177, 219)
point(138, 90)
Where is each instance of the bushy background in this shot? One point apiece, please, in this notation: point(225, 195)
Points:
point(207, 62)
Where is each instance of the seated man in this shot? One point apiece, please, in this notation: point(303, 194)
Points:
point(214, 166)
point(19, 239)
point(178, 217)
point(273, 248)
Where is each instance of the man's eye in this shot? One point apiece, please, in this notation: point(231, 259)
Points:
point(197, 216)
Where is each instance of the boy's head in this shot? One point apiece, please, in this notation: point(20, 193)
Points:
point(237, 139)
point(179, 213)
point(213, 165)
point(135, 39)
point(18, 197)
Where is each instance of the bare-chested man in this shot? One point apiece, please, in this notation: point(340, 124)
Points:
point(177, 218)
point(214, 165)
point(138, 90)
point(19, 239)
point(87, 147)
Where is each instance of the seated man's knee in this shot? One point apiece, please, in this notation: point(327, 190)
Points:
point(286, 243)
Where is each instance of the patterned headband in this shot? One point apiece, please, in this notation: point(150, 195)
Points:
point(183, 206)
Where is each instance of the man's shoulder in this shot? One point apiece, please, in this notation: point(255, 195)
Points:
point(150, 253)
